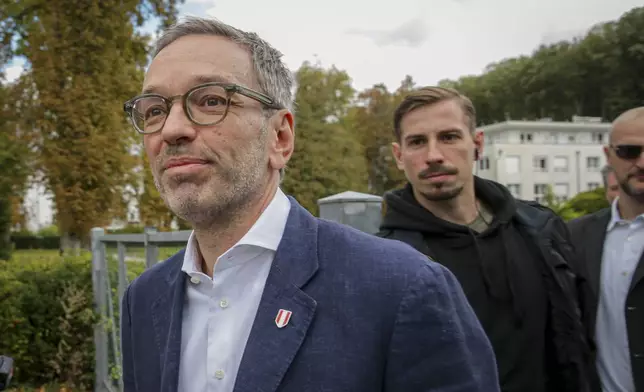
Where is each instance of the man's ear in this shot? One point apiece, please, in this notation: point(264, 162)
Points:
point(479, 140)
point(397, 153)
point(281, 139)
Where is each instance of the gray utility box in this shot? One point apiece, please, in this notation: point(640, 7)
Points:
point(358, 210)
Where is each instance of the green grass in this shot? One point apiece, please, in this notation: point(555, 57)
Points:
point(132, 253)
point(139, 252)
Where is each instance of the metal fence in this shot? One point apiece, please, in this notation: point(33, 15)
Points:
point(106, 332)
point(359, 210)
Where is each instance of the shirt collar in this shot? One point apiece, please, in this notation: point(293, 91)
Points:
point(615, 217)
point(266, 233)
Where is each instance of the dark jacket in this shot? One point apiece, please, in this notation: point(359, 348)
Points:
point(368, 315)
point(525, 245)
point(588, 234)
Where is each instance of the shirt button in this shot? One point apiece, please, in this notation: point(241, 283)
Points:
point(223, 303)
point(219, 374)
point(195, 280)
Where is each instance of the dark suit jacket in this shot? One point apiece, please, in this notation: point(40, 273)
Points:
point(588, 234)
point(369, 315)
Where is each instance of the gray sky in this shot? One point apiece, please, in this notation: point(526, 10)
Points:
point(382, 41)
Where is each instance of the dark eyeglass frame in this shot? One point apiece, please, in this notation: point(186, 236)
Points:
point(628, 152)
point(230, 88)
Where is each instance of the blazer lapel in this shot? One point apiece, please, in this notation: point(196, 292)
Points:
point(167, 314)
point(594, 248)
point(639, 273)
point(271, 347)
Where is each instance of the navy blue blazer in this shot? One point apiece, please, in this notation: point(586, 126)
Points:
point(369, 314)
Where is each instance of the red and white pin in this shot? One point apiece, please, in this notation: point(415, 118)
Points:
point(282, 318)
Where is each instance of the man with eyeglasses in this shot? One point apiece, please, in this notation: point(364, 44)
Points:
point(611, 244)
point(265, 297)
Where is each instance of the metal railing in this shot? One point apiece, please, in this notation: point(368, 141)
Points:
point(108, 364)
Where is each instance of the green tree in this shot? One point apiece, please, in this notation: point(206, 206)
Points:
point(588, 202)
point(583, 203)
point(371, 119)
point(84, 60)
point(599, 74)
point(328, 157)
point(14, 158)
point(558, 206)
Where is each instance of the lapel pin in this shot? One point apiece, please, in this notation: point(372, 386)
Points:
point(282, 318)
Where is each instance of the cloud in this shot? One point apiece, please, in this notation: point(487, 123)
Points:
point(412, 33)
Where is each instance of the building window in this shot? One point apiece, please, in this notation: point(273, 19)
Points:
point(539, 192)
point(598, 137)
point(526, 138)
point(540, 164)
point(560, 164)
point(515, 189)
point(593, 186)
point(512, 164)
point(560, 192)
point(592, 163)
point(484, 163)
point(553, 138)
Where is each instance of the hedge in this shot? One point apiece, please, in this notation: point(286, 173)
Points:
point(35, 242)
point(47, 317)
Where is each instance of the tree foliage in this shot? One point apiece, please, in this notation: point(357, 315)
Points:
point(598, 75)
point(328, 157)
point(14, 164)
point(84, 60)
point(371, 119)
point(588, 202)
point(583, 203)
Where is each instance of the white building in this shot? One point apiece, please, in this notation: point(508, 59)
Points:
point(527, 156)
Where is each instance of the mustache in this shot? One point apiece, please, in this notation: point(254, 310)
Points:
point(433, 170)
point(637, 173)
point(174, 151)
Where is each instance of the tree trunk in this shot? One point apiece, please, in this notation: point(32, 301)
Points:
point(71, 244)
point(5, 229)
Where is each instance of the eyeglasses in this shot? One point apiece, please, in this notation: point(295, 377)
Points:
point(205, 105)
point(628, 151)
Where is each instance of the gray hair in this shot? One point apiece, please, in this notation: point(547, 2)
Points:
point(273, 76)
point(606, 170)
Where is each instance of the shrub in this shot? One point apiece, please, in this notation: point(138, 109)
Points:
point(35, 242)
point(47, 317)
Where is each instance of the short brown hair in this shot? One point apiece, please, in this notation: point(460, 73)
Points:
point(426, 96)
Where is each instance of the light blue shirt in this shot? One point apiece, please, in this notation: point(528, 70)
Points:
point(219, 311)
point(622, 250)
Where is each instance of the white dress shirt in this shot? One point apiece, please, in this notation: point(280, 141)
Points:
point(622, 250)
point(219, 311)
